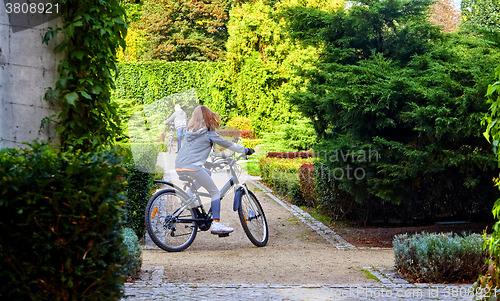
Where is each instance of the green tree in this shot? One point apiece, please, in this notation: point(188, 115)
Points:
point(482, 14)
point(391, 83)
point(261, 62)
point(181, 30)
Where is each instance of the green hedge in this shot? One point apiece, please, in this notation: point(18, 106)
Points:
point(282, 175)
point(150, 81)
point(331, 200)
point(139, 185)
point(60, 235)
point(143, 83)
point(140, 84)
point(439, 257)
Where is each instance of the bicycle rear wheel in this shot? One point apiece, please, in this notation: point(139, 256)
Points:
point(167, 231)
point(252, 219)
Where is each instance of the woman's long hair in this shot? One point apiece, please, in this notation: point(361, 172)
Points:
point(203, 117)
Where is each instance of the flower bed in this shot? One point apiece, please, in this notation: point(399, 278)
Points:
point(290, 155)
point(245, 134)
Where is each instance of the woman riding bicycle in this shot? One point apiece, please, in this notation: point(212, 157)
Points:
point(199, 138)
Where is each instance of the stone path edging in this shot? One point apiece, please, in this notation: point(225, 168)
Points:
point(324, 231)
point(149, 290)
point(391, 286)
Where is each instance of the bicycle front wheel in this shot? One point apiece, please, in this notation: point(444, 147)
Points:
point(168, 230)
point(171, 145)
point(252, 219)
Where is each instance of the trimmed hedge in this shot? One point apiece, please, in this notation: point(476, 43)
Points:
point(251, 143)
point(440, 257)
point(306, 178)
point(140, 84)
point(139, 186)
point(331, 200)
point(139, 183)
point(237, 133)
point(282, 175)
point(290, 155)
point(60, 235)
point(150, 81)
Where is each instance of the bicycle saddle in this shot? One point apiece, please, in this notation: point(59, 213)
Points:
point(185, 178)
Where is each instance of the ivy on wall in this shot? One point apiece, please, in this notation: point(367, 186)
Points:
point(93, 30)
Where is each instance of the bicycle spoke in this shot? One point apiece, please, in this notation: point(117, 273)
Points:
point(162, 214)
point(253, 220)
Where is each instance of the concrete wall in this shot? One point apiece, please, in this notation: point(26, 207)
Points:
point(27, 69)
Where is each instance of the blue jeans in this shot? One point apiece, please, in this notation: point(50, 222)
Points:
point(180, 135)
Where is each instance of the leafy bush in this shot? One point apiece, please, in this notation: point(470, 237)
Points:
point(306, 177)
point(439, 257)
point(132, 261)
point(60, 235)
point(240, 123)
point(333, 201)
point(298, 136)
point(412, 94)
point(138, 190)
point(139, 186)
point(490, 281)
point(262, 60)
point(251, 143)
point(282, 175)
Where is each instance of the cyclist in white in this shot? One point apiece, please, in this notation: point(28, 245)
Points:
point(179, 118)
point(199, 138)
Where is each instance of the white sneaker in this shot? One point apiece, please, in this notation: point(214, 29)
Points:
point(220, 228)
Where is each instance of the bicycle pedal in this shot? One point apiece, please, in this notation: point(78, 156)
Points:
point(223, 235)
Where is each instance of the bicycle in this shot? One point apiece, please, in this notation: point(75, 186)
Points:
point(170, 139)
point(173, 216)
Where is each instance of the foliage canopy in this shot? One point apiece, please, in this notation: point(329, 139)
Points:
point(482, 14)
point(93, 31)
point(262, 59)
point(390, 81)
point(182, 30)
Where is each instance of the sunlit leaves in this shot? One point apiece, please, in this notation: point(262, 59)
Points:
point(93, 32)
point(180, 30)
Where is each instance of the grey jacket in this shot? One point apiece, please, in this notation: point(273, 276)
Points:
point(179, 118)
point(196, 148)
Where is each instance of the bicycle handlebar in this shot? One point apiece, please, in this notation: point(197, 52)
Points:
point(220, 161)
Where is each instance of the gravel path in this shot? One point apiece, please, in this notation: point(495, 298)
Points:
point(304, 260)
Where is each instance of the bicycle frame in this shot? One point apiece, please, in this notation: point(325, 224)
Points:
point(232, 182)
